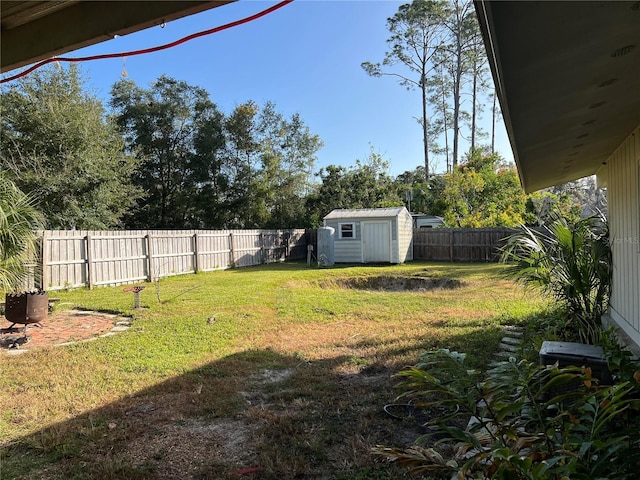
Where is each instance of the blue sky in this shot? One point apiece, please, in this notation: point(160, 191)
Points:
point(305, 58)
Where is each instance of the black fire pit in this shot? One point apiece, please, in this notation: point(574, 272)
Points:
point(26, 308)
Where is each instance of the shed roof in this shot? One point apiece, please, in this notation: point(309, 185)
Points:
point(365, 213)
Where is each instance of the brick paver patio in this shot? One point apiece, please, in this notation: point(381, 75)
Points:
point(66, 326)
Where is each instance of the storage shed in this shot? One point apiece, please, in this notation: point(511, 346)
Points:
point(373, 235)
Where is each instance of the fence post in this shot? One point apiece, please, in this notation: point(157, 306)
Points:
point(232, 257)
point(283, 241)
point(196, 262)
point(89, 261)
point(287, 248)
point(44, 277)
point(451, 245)
point(149, 256)
point(263, 257)
point(309, 254)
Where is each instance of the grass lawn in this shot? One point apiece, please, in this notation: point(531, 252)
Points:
point(271, 372)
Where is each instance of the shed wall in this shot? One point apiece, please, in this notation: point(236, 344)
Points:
point(348, 251)
point(623, 171)
point(405, 237)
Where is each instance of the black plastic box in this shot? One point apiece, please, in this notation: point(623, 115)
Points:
point(579, 355)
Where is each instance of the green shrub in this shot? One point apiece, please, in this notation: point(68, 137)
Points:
point(527, 422)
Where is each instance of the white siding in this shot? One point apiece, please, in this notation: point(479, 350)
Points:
point(405, 237)
point(348, 251)
point(623, 179)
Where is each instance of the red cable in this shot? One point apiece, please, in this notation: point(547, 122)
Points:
point(152, 49)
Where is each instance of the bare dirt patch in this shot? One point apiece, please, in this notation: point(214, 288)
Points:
point(190, 449)
point(392, 283)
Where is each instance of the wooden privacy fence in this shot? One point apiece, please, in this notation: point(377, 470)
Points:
point(72, 259)
point(93, 258)
point(459, 244)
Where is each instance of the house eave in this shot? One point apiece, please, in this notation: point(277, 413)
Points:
point(567, 76)
point(36, 30)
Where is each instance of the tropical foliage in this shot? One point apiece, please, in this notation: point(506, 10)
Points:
point(525, 423)
point(571, 261)
point(19, 220)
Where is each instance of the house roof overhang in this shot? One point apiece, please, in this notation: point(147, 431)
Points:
point(567, 75)
point(35, 30)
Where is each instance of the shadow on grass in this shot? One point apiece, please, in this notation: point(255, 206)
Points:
point(482, 343)
point(256, 414)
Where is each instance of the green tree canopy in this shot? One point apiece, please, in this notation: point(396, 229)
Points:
point(435, 47)
point(424, 197)
point(288, 151)
point(270, 161)
point(58, 146)
point(484, 192)
point(201, 168)
point(164, 127)
point(416, 32)
point(365, 185)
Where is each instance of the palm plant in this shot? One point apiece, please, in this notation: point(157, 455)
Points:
point(19, 220)
point(571, 261)
point(522, 422)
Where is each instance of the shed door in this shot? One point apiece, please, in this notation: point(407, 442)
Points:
point(376, 241)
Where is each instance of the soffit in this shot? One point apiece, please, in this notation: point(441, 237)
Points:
point(35, 30)
point(568, 79)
